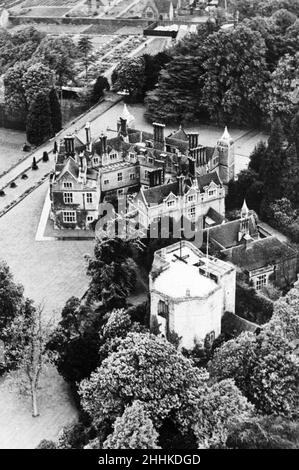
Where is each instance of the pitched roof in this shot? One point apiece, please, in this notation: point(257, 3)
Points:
point(215, 216)
point(163, 6)
point(157, 194)
point(260, 253)
point(227, 234)
point(70, 167)
point(180, 134)
point(205, 180)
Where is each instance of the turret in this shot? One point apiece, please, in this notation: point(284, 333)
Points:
point(225, 150)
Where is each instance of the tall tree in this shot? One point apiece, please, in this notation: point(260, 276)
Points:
point(99, 87)
point(38, 126)
point(11, 298)
point(133, 430)
point(285, 319)
point(28, 337)
point(14, 94)
point(112, 272)
point(263, 368)
point(216, 410)
point(59, 54)
point(85, 48)
point(272, 167)
point(264, 432)
point(145, 368)
point(130, 77)
point(56, 117)
point(37, 79)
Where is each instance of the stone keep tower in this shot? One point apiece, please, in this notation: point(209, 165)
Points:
point(226, 153)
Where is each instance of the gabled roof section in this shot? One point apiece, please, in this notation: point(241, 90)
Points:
point(157, 194)
point(180, 134)
point(70, 167)
point(206, 180)
point(226, 234)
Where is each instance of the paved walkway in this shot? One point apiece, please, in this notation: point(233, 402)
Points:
point(24, 166)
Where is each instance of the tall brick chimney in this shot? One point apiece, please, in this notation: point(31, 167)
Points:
point(159, 137)
point(123, 127)
point(193, 140)
point(88, 136)
point(103, 140)
point(69, 143)
point(181, 185)
point(156, 177)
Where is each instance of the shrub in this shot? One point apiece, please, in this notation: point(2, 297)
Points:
point(2, 193)
point(24, 176)
point(13, 184)
point(34, 165)
point(45, 156)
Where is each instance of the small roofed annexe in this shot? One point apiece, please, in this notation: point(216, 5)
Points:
point(189, 293)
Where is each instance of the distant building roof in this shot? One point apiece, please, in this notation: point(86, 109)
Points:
point(226, 235)
point(157, 194)
point(181, 278)
point(259, 253)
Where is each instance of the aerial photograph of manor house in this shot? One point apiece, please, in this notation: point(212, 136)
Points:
point(149, 225)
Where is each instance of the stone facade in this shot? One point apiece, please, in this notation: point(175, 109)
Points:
point(189, 293)
point(138, 164)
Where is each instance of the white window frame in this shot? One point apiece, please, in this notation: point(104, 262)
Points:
point(170, 203)
point(132, 176)
point(119, 176)
point(106, 181)
point(260, 281)
point(211, 192)
point(68, 184)
point(69, 217)
point(68, 198)
point(89, 198)
point(89, 218)
point(192, 212)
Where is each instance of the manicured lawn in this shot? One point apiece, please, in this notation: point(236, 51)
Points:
point(18, 429)
point(51, 272)
point(11, 143)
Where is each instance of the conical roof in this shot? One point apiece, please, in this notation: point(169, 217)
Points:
point(127, 116)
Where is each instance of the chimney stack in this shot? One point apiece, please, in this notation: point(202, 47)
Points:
point(181, 185)
point(103, 139)
point(192, 166)
point(69, 143)
point(156, 177)
point(193, 140)
point(123, 127)
point(88, 136)
point(159, 137)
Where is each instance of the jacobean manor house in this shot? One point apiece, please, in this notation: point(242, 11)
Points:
point(172, 175)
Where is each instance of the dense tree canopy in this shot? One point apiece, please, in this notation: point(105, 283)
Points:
point(145, 368)
point(133, 430)
point(112, 272)
point(263, 368)
point(39, 126)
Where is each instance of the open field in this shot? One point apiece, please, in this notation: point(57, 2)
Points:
point(49, 3)
point(44, 11)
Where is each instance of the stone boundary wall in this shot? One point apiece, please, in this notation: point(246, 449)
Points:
point(120, 22)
